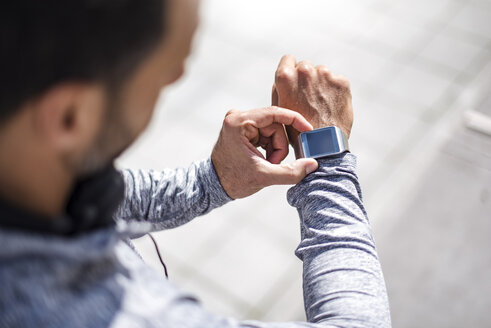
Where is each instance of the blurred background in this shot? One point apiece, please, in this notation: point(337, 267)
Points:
point(421, 82)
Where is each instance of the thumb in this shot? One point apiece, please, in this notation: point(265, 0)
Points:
point(291, 173)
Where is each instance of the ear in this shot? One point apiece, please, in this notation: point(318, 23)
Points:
point(69, 116)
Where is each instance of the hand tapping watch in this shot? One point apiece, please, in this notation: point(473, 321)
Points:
point(319, 143)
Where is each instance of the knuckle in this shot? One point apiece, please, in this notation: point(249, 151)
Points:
point(230, 117)
point(305, 68)
point(324, 71)
point(273, 110)
point(231, 112)
point(342, 82)
point(285, 74)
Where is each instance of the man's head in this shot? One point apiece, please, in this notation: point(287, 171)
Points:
point(79, 79)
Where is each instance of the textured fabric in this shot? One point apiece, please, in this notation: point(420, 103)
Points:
point(97, 280)
point(170, 198)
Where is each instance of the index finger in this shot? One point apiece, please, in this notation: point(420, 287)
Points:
point(287, 61)
point(264, 117)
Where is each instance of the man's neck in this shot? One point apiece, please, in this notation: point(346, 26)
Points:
point(30, 179)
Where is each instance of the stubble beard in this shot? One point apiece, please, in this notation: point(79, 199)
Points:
point(113, 138)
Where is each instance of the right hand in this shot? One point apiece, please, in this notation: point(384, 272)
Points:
point(241, 168)
point(322, 98)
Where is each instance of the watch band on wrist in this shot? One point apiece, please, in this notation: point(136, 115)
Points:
point(319, 143)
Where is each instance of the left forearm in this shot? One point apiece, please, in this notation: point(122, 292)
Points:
point(170, 198)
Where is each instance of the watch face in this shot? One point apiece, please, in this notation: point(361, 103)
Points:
point(321, 142)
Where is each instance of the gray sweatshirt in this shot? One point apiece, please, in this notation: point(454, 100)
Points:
point(97, 280)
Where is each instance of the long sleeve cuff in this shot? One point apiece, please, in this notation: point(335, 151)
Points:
point(211, 183)
point(331, 168)
point(171, 197)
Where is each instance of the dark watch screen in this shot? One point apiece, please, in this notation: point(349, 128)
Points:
point(323, 141)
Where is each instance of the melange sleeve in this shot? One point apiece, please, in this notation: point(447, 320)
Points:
point(342, 278)
point(171, 197)
point(343, 284)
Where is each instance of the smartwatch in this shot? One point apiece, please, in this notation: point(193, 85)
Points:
point(323, 142)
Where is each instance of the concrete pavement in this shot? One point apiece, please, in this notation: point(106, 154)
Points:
point(415, 66)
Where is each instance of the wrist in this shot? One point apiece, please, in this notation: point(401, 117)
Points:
point(334, 168)
point(213, 180)
point(345, 127)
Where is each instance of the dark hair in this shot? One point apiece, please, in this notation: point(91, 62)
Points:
point(44, 42)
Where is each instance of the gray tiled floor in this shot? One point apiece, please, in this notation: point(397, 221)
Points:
point(413, 66)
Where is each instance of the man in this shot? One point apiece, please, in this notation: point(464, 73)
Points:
point(79, 83)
